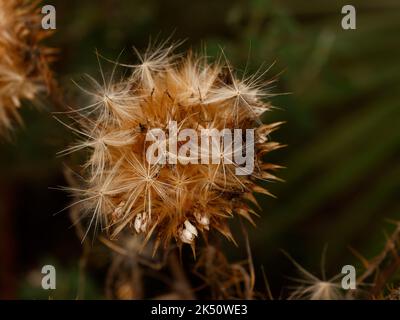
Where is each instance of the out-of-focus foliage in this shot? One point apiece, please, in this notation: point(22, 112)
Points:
point(67, 286)
point(342, 113)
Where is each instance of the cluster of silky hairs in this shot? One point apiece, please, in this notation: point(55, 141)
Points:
point(172, 202)
point(24, 71)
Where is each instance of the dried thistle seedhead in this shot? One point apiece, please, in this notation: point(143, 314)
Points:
point(311, 287)
point(316, 289)
point(169, 201)
point(24, 70)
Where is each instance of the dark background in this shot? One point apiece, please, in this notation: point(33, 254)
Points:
point(342, 131)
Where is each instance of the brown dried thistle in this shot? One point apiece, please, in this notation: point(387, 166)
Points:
point(168, 202)
point(24, 71)
point(379, 272)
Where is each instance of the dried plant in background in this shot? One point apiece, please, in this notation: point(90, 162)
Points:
point(225, 280)
point(377, 281)
point(132, 268)
point(168, 203)
point(24, 71)
point(379, 272)
point(311, 287)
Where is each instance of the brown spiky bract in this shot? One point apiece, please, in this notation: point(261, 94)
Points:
point(24, 71)
point(122, 190)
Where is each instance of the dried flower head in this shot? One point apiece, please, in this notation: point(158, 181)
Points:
point(24, 61)
point(182, 199)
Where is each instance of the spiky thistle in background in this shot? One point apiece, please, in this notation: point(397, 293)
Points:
point(311, 287)
point(172, 202)
point(24, 71)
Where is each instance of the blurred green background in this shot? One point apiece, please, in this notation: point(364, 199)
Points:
point(342, 131)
